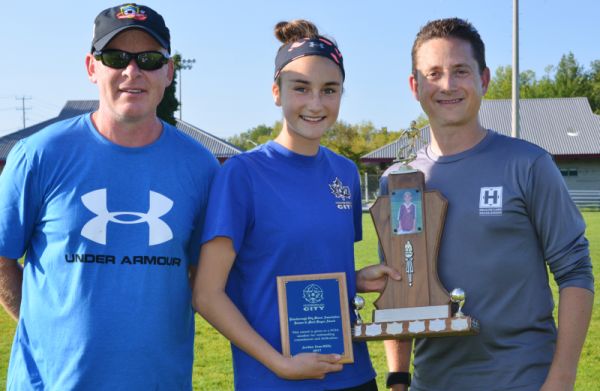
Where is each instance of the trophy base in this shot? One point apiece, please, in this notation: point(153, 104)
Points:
point(407, 329)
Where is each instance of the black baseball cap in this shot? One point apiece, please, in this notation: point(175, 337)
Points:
point(112, 21)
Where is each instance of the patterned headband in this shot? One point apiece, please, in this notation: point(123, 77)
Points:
point(308, 47)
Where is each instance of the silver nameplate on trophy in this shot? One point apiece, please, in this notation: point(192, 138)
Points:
point(411, 313)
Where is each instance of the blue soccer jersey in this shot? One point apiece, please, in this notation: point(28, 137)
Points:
point(286, 214)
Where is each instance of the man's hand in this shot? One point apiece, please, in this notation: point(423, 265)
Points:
point(374, 278)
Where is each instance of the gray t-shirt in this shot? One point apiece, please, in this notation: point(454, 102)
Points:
point(509, 216)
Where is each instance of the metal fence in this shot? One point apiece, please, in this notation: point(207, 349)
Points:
point(586, 199)
point(369, 189)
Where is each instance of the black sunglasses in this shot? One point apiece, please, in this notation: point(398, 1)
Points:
point(119, 59)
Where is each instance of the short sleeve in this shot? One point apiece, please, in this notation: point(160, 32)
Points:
point(230, 213)
point(20, 200)
point(357, 208)
point(195, 242)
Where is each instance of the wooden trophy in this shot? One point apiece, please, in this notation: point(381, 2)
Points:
point(409, 223)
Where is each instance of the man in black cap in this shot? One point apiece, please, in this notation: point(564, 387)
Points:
point(108, 208)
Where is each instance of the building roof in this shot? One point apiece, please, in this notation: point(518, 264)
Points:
point(565, 127)
point(221, 149)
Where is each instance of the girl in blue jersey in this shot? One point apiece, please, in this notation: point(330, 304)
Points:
point(288, 207)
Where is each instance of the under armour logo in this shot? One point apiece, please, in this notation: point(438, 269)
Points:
point(95, 229)
point(315, 44)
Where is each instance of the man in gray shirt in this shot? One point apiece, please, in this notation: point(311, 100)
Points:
point(509, 216)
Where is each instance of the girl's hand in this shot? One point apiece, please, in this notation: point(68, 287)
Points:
point(308, 366)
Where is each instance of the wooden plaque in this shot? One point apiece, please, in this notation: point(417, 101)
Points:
point(314, 315)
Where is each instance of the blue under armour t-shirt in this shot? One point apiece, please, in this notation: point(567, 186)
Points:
point(286, 214)
point(109, 233)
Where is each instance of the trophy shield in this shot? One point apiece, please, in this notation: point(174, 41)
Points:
point(409, 222)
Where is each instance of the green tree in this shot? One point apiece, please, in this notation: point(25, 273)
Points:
point(351, 141)
point(570, 79)
point(344, 139)
point(567, 79)
point(169, 103)
point(500, 86)
point(594, 77)
point(420, 122)
point(255, 136)
point(354, 141)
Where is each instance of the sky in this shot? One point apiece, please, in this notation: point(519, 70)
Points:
point(228, 90)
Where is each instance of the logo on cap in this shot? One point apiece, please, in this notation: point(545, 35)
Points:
point(131, 11)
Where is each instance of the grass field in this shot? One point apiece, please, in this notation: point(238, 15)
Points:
point(212, 367)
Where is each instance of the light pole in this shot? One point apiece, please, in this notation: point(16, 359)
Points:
point(515, 132)
point(183, 64)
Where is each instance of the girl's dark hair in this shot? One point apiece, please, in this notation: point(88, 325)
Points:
point(295, 30)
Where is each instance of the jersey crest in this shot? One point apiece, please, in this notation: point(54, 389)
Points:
point(341, 193)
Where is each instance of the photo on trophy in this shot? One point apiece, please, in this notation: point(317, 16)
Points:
point(407, 211)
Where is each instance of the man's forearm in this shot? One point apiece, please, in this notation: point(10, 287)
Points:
point(398, 353)
point(11, 285)
point(574, 312)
